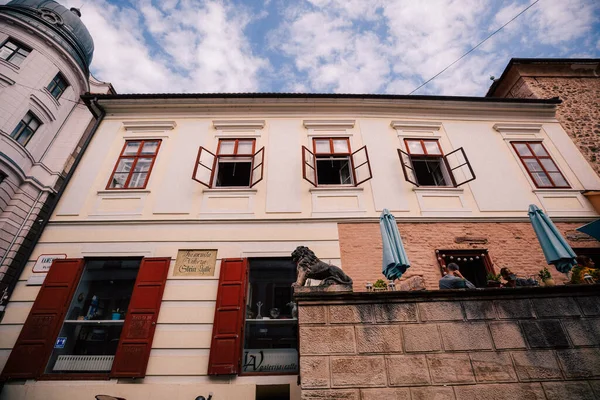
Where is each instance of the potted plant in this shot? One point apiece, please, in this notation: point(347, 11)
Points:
point(493, 280)
point(380, 285)
point(546, 277)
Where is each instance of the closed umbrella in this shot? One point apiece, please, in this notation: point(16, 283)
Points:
point(556, 249)
point(395, 260)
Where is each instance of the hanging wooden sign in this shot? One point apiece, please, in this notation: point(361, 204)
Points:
point(195, 263)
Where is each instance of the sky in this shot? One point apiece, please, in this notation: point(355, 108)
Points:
point(327, 46)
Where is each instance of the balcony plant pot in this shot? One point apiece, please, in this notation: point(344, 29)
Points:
point(549, 282)
point(493, 284)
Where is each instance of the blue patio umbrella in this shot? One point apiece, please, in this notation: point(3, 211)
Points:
point(556, 249)
point(592, 229)
point(395, 260)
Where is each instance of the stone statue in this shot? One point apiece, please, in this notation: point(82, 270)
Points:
point(310, 267)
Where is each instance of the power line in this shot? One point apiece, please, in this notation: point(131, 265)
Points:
point(42, 91)
point(472, 49)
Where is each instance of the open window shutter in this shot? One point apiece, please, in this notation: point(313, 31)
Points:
point(30, 353)
point(308, 166)
point(135, 342)
point(407, 167)
point(459, 166)
point(257, 166)
point(361, 166)
point(228, 326)
point(205, 167)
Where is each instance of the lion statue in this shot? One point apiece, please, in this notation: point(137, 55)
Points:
point(310, 267)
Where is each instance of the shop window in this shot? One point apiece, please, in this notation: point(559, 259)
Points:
point(93, 318)
point(424, 164)
point(539, 165)
point(134, 165)
point(235, 165)
point(57, 86)
point(473, 264)
point(14, 52)
point(26, 128)
point(255, 326)
point(332, 163)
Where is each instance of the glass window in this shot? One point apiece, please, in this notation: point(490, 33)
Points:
point(428, 163)
point(234, 162)
point(539, 165)
point(333, 161)
point(271, 327)
point(134, 165)
point(89, 336)
point(13, 52)
point(57, 86)
point(25, 129)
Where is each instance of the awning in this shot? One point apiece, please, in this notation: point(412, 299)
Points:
point(592, 229)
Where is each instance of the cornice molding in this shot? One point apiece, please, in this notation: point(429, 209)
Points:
point(149, 126)
point(518, 129)
point(42, 110)
point(416, 125)
point(329, 124)
point(237, 125)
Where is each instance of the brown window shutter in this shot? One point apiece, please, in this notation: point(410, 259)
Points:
point(226, 345)
point(138, 330)
point(30, 353)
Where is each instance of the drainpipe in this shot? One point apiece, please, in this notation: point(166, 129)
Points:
point(4, 298)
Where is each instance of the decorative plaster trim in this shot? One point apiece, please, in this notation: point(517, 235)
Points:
point(518, 130)
point(439, 190)
point(230, 190)
point(237, 125)
point(329, 124)
point(416, 126)
point(52, 98)
point(5, 81)
point(149, 126)
point(41, 108)
point(337, 188)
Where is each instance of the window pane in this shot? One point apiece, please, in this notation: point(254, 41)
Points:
point(538, 149)
point(226, 147)
point(5, 52)
point(233, 174)
point(333, 171)
point(25, 135)
point(17, 131)
point(532, 165)
point(558, 179)
point(118, 180)
point(16, 59)
point(124, 165)
point(245, 147)
point(414, 147)
point(322, 146)
point(11, 45)
point(549, 165)
point(522, 149)
point(34, 124)
point(340, 146)
point(432, 147)
point(138, 180)
point(149, 147)
point(541, 179)
point(131, 148)
point(143, 165)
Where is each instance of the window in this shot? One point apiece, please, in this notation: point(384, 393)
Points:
point(424, 164)
point(473, 264)
point(134, 165)
point(57, 86)
point(332, 163)
point(236, 164)
point(2, 176)
point(24, 131)
point(13, 52)
point(539, 165)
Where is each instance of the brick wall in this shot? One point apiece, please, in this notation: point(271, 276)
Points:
point(538, 343)
point(512, 245)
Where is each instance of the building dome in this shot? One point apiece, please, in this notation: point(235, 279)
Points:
point(60, 23)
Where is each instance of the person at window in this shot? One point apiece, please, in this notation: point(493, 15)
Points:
point(585, 267)
point(454, 279)
point(514, 281)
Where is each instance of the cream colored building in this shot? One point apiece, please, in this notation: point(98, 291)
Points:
point(260, 199)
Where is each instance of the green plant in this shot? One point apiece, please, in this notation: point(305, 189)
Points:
point(493, 277)
point(544, 274)
point(380, 284)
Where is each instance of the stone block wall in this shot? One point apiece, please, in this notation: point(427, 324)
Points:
point(509, 244)
point(536, 343)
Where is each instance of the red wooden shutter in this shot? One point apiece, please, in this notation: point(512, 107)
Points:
point(138, 330)
point(228, 327)
point(309, 171)
point(30, 354)
point(361, 166)
point(407, 167)
point(257, 167)
point(459, 166)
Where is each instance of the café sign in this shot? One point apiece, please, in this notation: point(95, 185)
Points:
point(44, 262)
point(195, 263)
point(270, 360)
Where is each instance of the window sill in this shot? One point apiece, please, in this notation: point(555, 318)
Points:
point(554, 190)
point(14, 67)
point(445, 189)
point(229, 190)
point(336, 188)
point(121, 191)
point(52, 98)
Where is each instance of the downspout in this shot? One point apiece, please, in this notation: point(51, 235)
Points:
point(4, 297)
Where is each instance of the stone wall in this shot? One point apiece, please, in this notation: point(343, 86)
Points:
point(537, 343)
point(512, 245)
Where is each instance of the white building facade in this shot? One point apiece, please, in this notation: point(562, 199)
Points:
point(179, 223)
point(45, 52)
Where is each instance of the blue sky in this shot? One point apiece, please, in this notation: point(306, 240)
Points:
point(343, 46)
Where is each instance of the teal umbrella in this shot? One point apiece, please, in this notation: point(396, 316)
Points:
point(592, 229)
point(556, 249)
point(395, 260)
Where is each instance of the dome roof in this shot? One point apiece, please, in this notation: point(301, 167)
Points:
point(60, 23)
